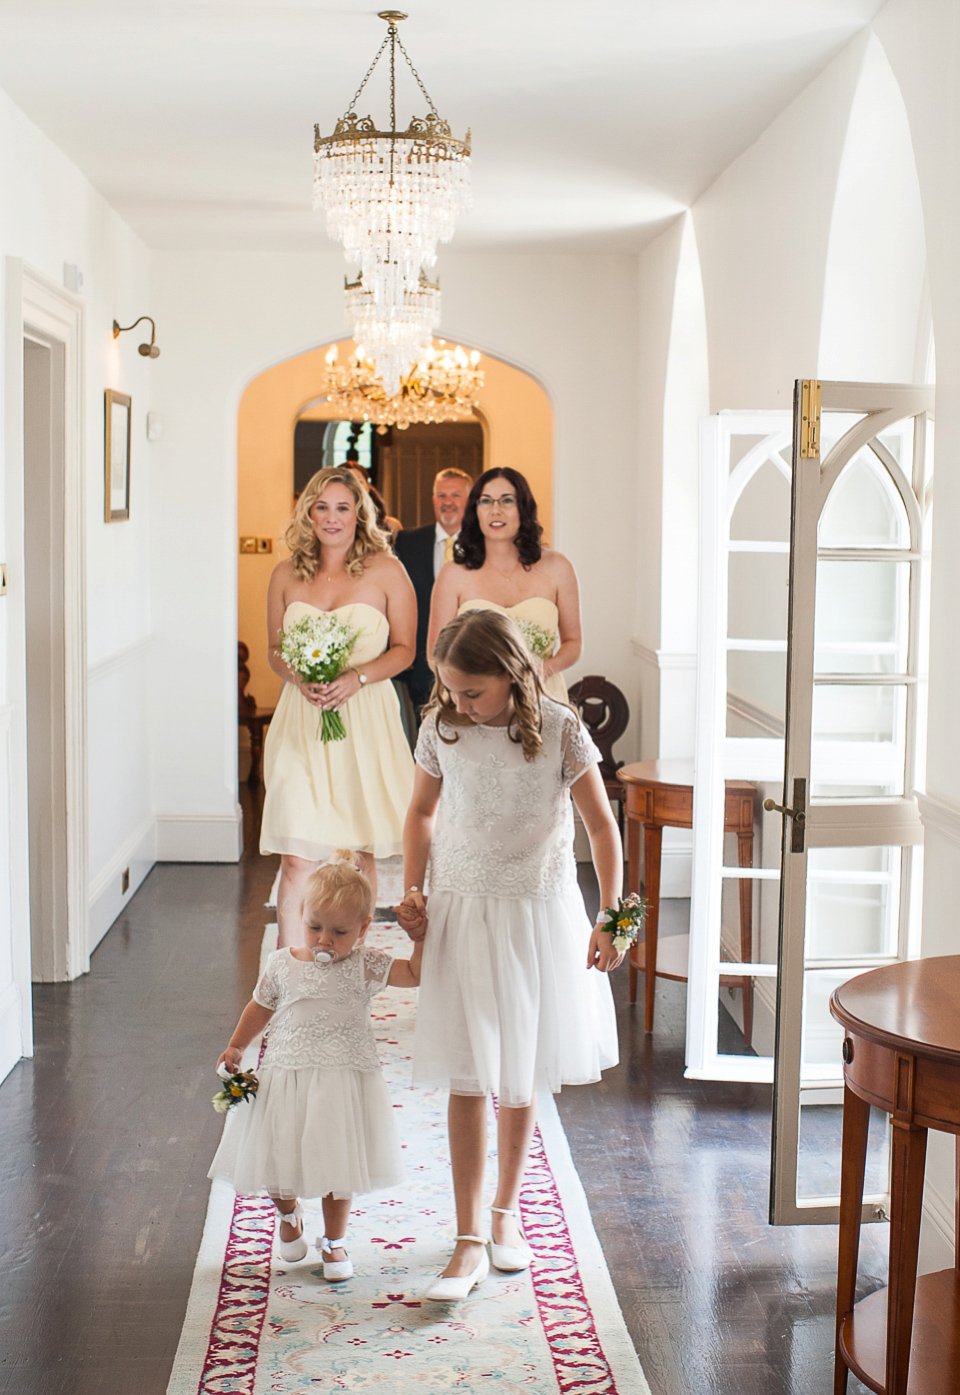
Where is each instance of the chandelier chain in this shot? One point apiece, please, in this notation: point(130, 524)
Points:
point(413, 70)
point(366, 77)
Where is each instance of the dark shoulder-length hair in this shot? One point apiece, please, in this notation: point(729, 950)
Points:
point(470, 549)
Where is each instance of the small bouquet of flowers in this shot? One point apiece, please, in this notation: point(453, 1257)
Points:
point(624, 920)
point(237, 1088)
point(539, 641)
point(318, 647)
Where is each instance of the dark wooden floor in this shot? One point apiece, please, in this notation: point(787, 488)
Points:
point(108, 1132)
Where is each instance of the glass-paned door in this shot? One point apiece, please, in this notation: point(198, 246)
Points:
point(741, 685)
point(855, 709)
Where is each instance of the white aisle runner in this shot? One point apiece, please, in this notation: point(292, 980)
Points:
point(258, 1326)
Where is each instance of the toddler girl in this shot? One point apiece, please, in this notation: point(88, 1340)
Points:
point(508, 1001)
point(322, 1122)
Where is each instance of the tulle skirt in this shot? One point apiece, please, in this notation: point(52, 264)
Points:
point(506, 1001)
point(311, 1132)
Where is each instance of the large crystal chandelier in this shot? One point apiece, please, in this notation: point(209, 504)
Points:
point(391, 196)
point(396, 343)
point(442, 386)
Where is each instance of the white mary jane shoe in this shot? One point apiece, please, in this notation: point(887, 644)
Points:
point(510, 1258)
point(292, 1250)
point(334, 1270)
point(455, 1289)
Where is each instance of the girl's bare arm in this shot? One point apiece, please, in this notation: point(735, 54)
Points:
point(417, 837)
point(253, 1020)
point(405, 973)
point(593, 806)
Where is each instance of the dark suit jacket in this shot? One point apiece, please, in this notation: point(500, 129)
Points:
point(415, 550)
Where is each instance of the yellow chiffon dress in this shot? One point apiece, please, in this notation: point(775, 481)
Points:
point(338, 794)
point(539, 611)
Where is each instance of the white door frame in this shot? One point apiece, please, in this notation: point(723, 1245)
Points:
point(845, 822)
point(42, 310)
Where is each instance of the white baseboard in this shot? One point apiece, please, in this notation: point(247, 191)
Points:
point(107, 897)
point(676, 872)
point(11, 1029)
point(200, 837)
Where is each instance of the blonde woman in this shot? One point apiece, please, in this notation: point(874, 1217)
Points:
point(340, 794)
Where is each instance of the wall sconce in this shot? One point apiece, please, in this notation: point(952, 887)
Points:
point(147, 350)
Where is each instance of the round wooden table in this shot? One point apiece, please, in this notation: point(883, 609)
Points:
point(901, 1052)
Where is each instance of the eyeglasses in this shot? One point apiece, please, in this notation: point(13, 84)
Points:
point(505, 501)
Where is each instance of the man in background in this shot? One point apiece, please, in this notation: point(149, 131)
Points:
point(423, 552)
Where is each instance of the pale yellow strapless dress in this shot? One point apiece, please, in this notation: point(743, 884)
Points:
point(539, 611)
point(339, 794)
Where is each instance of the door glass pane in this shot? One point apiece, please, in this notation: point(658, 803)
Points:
point(756, 690)
point(818, 1159)
point(864, 508)
point(762, 513)
point(861, 617)
point(853, 902)
point(757, 595)
point(859, 737)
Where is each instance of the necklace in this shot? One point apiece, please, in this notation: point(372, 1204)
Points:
point(506, 575)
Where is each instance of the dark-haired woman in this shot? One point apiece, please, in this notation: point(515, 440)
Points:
point(500, 563)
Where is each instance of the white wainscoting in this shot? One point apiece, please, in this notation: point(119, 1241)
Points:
point(107, 897)
point(200, 837)
point(122, 823)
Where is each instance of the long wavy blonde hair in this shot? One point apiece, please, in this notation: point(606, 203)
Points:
point(303, 542)
point(484, 643)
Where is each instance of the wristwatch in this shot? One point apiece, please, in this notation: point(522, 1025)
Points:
point(361, 675)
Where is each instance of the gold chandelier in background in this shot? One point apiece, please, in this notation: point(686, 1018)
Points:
point(442, 385)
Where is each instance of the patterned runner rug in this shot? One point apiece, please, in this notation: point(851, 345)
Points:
point(258, 1326)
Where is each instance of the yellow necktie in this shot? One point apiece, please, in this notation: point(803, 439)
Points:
point(448, 550)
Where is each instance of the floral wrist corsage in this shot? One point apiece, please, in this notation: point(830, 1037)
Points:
point(236, 1089)
point(624, 920)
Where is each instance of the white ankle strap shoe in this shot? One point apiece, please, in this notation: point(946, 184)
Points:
point(292, 1250)
point(510, 1258)
point(334, 1270)
point(454, 1289)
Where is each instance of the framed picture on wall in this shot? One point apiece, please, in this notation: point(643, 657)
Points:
point(116, 456)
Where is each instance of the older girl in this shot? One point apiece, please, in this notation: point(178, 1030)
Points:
point(514, 992)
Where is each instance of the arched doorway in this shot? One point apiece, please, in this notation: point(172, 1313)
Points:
point(517, 423)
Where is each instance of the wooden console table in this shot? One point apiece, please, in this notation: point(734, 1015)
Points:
point(901, 1052)
point(659, 796)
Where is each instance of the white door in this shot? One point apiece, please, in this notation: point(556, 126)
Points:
point(856, 663)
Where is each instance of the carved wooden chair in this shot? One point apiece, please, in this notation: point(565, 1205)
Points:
point(605, 713)
point(255, 719)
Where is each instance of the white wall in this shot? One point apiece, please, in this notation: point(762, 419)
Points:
point(568, 320)
point(921, 39)
point(49, 215)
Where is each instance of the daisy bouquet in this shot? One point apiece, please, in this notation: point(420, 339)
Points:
point(318, 647)
point(624, 920)
point(539, 641)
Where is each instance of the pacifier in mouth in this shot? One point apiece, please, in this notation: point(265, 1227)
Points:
point(322, 956)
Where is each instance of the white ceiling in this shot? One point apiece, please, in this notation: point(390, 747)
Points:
point(593, 120)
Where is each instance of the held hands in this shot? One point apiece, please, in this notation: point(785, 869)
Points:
point(412, 914)
point(601, 954)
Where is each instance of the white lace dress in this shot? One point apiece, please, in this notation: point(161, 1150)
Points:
point(322, 1121)
point(506, 1001)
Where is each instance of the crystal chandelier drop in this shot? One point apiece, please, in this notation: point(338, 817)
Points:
point(391, 196)
point(442, 386)
point(394, 344)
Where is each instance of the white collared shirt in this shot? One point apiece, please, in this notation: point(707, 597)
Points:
point(440, 537)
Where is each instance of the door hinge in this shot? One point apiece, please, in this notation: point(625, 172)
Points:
point(798, 814)
point(809, 418)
